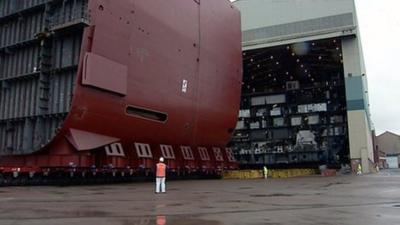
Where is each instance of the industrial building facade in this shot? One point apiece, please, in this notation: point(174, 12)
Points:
point(388, 146)
point(304, 91)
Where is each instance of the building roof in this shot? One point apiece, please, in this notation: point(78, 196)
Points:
point(388, 133)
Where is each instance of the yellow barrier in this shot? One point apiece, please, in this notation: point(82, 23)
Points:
point(291, 173)
point(243, 174)
point(257, 174)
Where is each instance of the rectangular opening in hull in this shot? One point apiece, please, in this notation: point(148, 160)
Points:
point(146, 114)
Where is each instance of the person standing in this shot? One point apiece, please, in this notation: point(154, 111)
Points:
point(377, 167)
point(359, 169)
point(265, 172)
point(160, 176)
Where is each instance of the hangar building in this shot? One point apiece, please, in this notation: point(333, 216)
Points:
point(304, 92)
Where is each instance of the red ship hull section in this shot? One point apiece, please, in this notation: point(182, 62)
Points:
point(152, 72)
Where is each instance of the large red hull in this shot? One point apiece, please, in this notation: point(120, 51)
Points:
point(150, 73)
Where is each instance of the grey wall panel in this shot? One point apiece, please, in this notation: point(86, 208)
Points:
point(69, 11)
point(37, 77)
point(17, 137)
point(2, 136)
point(19, 62)
point(61, 87)
point(66, 59)
point(11, 6)
point(275, 99)
point(266, 13)
point(330, 22)
point(258, 100)
point(66, 51)
point(18, 99)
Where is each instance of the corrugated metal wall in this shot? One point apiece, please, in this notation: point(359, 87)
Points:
point(23, 29)
point(37, 69)
point(11, 6)
point(70, 11)
point(342, 21)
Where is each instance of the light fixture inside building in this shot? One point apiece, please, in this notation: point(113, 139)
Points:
point(301, 48)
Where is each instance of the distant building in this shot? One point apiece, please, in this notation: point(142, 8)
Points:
point(389, 144)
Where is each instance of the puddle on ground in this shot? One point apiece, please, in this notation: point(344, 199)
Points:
point(57, 213)
point(206, 207)
point(58, 192)
point(245, 188)
point(335, 183)
point(174, 189)
point(266, 223)
point(90, 213)
point(175, 204)
point(159, 206)
point(169, 220)
point(236, 201)
point(271, 195)
point(258, 196)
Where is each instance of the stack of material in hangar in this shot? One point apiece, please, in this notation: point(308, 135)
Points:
point(108, 87)
point(304, 92)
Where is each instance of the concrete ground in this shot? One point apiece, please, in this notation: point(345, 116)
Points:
point(342, 200)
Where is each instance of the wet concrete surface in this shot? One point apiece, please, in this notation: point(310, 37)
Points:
point(348, 200)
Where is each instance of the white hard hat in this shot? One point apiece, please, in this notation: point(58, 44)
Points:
point(161, 159)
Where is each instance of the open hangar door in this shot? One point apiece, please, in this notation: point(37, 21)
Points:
point(293, 106)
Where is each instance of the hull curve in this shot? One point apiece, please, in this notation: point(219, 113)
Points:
point(151, 73)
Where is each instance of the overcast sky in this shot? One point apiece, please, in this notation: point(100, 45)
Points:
point(379, 22)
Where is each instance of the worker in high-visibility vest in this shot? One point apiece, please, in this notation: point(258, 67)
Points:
point(265, 172)
point(359, 169)
point(161, 220)
point(160, 176)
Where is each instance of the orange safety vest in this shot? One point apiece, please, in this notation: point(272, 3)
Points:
point(161, 167)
